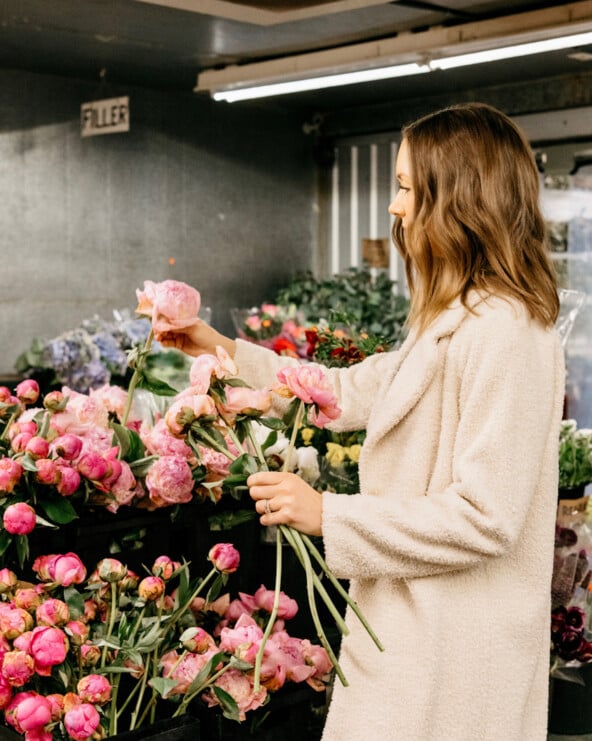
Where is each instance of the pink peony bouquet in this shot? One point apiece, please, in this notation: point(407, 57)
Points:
point(89, 656)
point(72, 449)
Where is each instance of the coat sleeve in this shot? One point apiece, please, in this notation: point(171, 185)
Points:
point(509, 381)
point(258, 366)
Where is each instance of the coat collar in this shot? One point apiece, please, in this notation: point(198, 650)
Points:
point(416, 363)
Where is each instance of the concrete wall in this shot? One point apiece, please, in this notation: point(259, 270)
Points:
point(228, 194)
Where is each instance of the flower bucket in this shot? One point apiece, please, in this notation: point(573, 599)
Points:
point(570, 705)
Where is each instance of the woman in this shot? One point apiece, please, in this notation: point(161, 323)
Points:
point(448, 546)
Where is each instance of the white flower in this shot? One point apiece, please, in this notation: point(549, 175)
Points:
point(307, 464)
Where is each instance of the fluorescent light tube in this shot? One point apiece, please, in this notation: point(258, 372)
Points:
point(510, 52)
point(318, 83)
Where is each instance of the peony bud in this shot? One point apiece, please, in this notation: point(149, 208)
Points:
point(55, 401)
point(164, 567)
point(67, 446)
point(10, 474)
point(225, 557)
point(111, 570)
point(37, 447)
point(8, 580)
point(94, 688)
point(27, 391)
point(52, 612)
point(82, 721)
point(19, 518)
point(48, 471)
point(151, 588)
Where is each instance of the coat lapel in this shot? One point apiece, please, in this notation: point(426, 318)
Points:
point(419, 358)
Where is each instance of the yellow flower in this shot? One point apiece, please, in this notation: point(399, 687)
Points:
point(353, 452)
point(307, 434)
point(335, 453)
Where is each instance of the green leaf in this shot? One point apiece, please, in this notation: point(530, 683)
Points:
point(228, 520)
point(227, 703)
point(28, 463)
point(150, 382)
point(75, 602)
point(245, 464)
point(272, 423)
point(205, 672)
point(22, 549)
point(162, 685)
point(131, 445)
point(59, 510)
point(5, 541)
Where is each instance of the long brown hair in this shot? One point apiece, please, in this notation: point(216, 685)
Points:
point(477, 221)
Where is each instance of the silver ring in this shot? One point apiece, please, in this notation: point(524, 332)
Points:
point(267, 507)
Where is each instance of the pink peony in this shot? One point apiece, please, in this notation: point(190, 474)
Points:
point(94, 688)
point(67, 446)
point(206, 366)
point(224, 557)
point(29, 711)
point(5, 693)
point(77, 631)
point(19, 519)
point(170, 305)
point(27, 598)
point(264, 598)
point(52, 612)
point(8, 580)
point(10, 474)
point(17, 668)
point(309, 384)
point(164, 567)
point(243, 640)
point(151, 588)
point(27, 391)
point(239, 687)
point(159, 441)
point(125, 488)
point(113, 398)
point(169, 481)
point(82, 721)
point(37, 447)
point(243, 400)
point(185, 670)
point(186, 409)
point(48, 471)
point(14, 621)
point(63, 569)
point(69, 480)
point(49, 647)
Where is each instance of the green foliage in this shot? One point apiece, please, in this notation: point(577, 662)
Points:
point(370, 303)
point(575, 455)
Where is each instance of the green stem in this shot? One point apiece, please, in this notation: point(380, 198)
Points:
point(294, 435)
point(352, 603)
point(212, 444)
point(292, 536)
point(257, 447)
point(113, 717)
point(129, 698)
point(112, 613)
point(274, 609)
point(136, 376)
point(314, 613)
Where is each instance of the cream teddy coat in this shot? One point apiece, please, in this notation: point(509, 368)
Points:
point(449, 545)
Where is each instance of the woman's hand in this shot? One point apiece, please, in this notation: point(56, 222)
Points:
point(198, 339)
point(286, 499)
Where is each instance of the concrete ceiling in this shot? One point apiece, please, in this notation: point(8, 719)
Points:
point(165, 43)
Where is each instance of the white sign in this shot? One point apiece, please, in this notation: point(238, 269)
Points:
point(109, 116)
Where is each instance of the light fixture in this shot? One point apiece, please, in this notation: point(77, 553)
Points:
point(318, 83)
point(440, 48)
